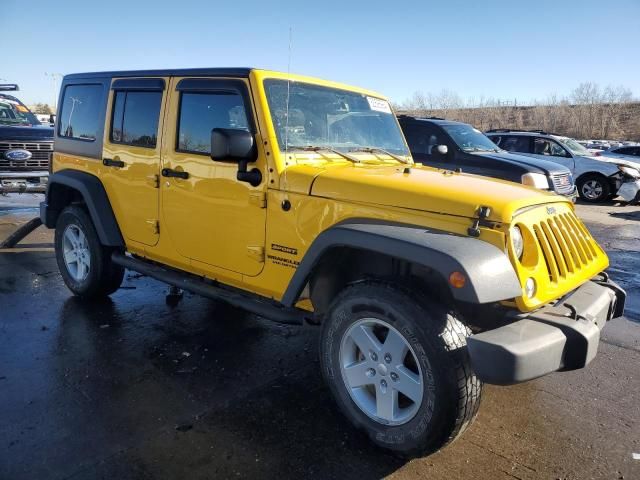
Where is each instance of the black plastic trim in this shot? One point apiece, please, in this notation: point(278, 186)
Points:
point(95, 198)
point(490, 275)
point(139, 84)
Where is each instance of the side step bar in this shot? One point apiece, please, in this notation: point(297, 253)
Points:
point(192, 283)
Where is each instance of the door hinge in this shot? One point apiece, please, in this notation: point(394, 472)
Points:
point(256, 252)
point(153, 181)
point(154, 225)
point(257, 198)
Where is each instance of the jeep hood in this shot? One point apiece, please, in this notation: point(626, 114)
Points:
point(427, 189)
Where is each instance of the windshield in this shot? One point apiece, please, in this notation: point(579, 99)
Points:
point(574, 147)
point(470, 139)
point(12, 112)
point(328, 117)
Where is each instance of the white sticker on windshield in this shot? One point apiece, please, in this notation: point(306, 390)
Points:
point(379, 105)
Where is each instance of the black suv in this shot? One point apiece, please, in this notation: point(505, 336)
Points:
point(25, 146)
point(453, 145)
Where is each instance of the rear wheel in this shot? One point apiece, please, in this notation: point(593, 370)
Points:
point(593, 188)
point(398, 367)
point(84, 263)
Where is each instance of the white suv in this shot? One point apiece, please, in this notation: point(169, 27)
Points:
point(597, 178)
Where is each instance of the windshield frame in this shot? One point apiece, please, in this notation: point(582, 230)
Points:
point(339, 147)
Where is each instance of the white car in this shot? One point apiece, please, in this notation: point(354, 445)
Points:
point(598, 178)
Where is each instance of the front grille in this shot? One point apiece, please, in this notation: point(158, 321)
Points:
point(40, 155)
point(566, 245)
point(562, 183)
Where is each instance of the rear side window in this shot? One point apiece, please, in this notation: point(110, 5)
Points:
point(515, 144)
point(80, 113)
point(202, 112)
point(135, 118)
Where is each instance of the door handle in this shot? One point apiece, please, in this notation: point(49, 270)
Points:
point(110, 162)
point(168, 172)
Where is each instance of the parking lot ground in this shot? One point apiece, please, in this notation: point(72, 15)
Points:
point(134, 388)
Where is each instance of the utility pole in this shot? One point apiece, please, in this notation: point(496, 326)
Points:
point(54, 81)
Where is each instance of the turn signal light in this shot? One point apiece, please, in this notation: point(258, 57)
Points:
point(457, 279)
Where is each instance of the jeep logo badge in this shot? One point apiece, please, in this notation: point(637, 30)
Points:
point(17, 155)
point(551, 210)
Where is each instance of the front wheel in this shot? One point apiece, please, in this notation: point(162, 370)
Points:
point(594, 188)
point(85, 264)
point(398, 368)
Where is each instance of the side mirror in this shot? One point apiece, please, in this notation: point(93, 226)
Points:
point(236, 145)
point(232, 144)
point(442, 149)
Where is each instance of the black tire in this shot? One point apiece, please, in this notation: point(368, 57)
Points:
point(104, 277)
point(594, 188)
point(451, 391)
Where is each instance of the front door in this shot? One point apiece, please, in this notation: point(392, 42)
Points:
point(131, 162)
point(210, 216)
point(552, 151)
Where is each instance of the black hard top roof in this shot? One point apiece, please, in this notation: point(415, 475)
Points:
point(171, 72)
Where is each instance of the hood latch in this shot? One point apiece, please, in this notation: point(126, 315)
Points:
point(483, 213)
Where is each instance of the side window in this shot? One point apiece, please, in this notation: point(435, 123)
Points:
point(80, 113)
point(422, 138)
point(495, 139)
point(514, 143)
point(203, 111)
point(544, 146)
point(135, 118)
point(635, 151)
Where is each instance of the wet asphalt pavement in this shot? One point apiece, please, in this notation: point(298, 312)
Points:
point(134, 388)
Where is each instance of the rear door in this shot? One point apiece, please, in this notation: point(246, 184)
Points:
point(132, 155)
point(550, 150)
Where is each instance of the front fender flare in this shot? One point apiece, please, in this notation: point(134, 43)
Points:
point(490, 275)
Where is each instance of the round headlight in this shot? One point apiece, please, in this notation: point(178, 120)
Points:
point(517, 241)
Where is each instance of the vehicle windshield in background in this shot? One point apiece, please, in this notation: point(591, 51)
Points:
point(574, 147)
point(470, 139)
point(329, 117)
point(12, 112)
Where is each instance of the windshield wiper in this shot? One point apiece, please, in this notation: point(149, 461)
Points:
point(317, 148)
point(384, 152)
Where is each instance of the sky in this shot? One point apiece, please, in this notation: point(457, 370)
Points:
point(514, 49)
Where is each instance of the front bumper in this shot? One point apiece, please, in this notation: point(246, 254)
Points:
point(573, 195)
point(563, 336)
point(630, 191)
point(23, 182)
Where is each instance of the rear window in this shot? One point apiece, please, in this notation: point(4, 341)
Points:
point(80, 113)
point(135, 118)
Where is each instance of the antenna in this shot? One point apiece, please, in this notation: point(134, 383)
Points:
point(286, 124)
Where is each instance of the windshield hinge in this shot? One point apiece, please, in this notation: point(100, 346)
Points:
point(256, 252)
point(258, 199)
point(153, 225)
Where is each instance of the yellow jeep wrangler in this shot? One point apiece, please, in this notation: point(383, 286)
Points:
point(297, 199)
